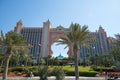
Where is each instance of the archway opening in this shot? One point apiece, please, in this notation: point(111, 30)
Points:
point(59, 50)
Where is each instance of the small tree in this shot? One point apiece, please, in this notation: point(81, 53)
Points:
point(78, 36)
point(43, 72)
point(115, 50)
point(48, 59)
point(12, 41)
point(59, 73)
point(1, 59)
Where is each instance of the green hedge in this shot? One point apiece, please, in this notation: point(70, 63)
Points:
point(18, 69)
point(72, 73)
point(87, 74)
point(99, 69)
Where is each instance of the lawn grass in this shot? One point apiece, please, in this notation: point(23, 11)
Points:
point(65, 68)
point(81, 68)
point(83, 71)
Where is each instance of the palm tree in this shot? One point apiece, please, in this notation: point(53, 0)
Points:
point(115, 51)
point(48, 59)
point(1, 59)
point(88, 59)
point(20, 58)
point(12, 41)
point(96, 59)
point(70, 59)
point(78, 36)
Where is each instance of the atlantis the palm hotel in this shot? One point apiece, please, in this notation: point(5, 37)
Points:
point(41, 38)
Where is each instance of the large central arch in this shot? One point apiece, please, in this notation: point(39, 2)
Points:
point(50, 35)
point(58, 34)
point(55, 36)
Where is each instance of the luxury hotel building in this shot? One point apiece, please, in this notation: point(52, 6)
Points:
point(41, 39)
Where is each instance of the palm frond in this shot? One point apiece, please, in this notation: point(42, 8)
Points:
point(77, 36)
point(65, 47)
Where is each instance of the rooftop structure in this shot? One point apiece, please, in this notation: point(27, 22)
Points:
point(60, 57)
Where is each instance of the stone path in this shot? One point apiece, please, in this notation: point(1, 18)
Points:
point(53, 78)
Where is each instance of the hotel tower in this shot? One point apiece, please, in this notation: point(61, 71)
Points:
point(41, 38)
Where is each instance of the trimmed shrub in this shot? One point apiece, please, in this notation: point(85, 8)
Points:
point(36, 73)
point(116, 68)
point(86, 74)
point(59, 73)
point(99, 69)
point(19, 69)
point(43, 72)
point(34, 68)
point(70, 73)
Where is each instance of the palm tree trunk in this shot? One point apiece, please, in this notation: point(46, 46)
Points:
point(47, 61)
point(76, 65)
point(7, 59)
point(26, 62)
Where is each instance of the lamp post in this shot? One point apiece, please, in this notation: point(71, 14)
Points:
point(39, 55)
point(93, 50)
point(93, 54)
point(37, 58)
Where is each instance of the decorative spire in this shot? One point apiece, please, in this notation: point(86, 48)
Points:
point(0, 32)
point(19, 26)
point(60, 54)
point(1, 35)
point(60, 57)
point(47, 24)
point(19, 22)
point(48, 20)
point(101, 29)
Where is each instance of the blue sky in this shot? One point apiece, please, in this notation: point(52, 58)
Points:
point(61, 12)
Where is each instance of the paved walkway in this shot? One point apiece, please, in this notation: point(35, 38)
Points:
point(53, 78)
